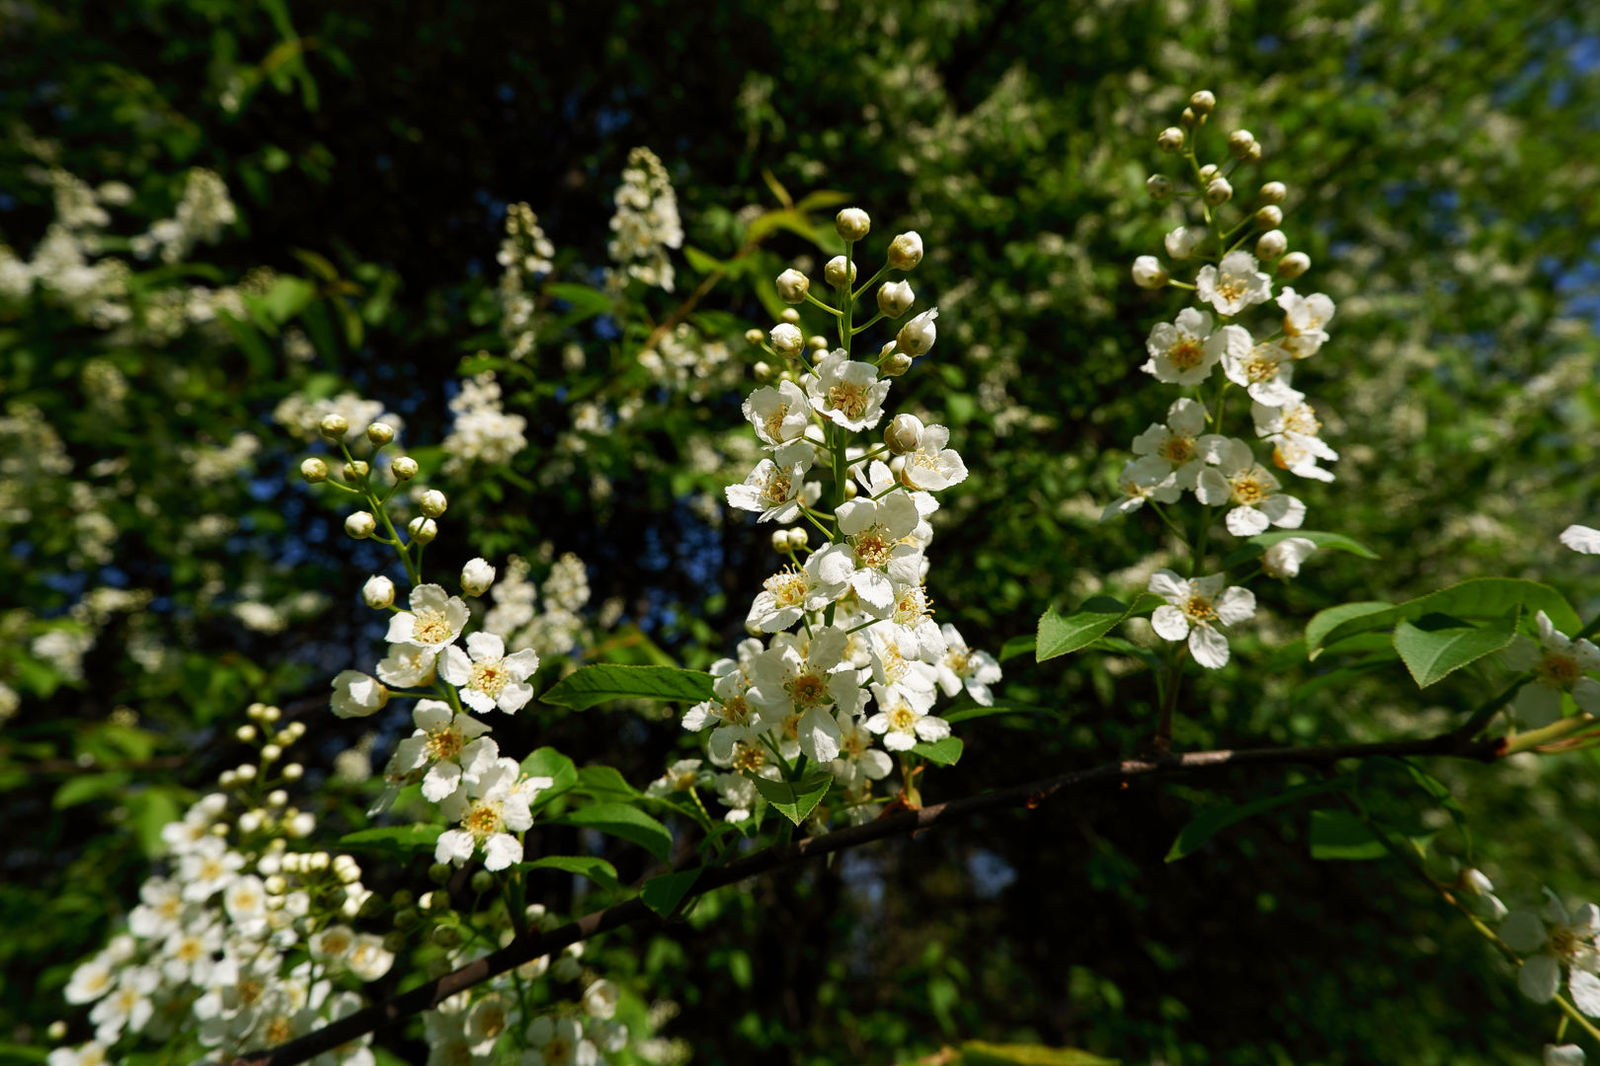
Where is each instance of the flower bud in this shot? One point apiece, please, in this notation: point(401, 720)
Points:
point(1269, 217)
point(817, 342)
point(276, 885)
point(895, 298)
point(1240, 142)
point(1202, 102)
point(852, 224)
point(251, 821)
point(839, 272)
point(1182, 242)
point(789, 315)
point(1293, 265)
point(793, 286)
point(56, 1031)
point(1272, 244)
point(482, 881)
point(433, 503)
point(1148, 273)
point(895, 365)
point(1159, 186)
point(422, 530)
point(360, 525)
point(798, 538)
point(917, 336)
point(762, 371)
point(1188, 118)
point(1273, 192)
point(1253, 153)
point(356, 471)
point(787, 339)
point(277, 798)
point(1218, 191)
point(244, 773)
point(1282, 560)
point(780, 541)
point(271, 753)
point(903, 434)
point(333, 427)
point(245, 734)
point(293, 771)
point(905, 251)
point(380, 433)
point(270, 713)
point(476, 577)
point(1170, 139)
point(378, 592)
point(314, 470)
point(754, 336)
point(404, 468)
point(1209, 171)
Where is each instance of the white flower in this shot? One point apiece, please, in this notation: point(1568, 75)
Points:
point(332, 944)
point(847, 392)
point(1174, 443)
point(1200, 609)
point(1237, 284)
point(600, 999)
point(490, 678)
point(788, 594)
point(476, 577)
point(787, 338)
point(90, 981)
point(434, 621)
point(1265, 371)
point(1559, 665)
point(557, 1042)
point(771, 490)
point(1237, 478)
point(1183, 352)
point(1554, 1055)
point(1150, 478)
point(903, 717)
point(408, 666)
point(1551, 939)
point(486, 808)
point(874, 558)
point(449, 746)
point(1282, 560)
point(933, 466)
point(1582, 539)
point(1303, 319)
point(368, 958)
point(356, 695)
point(682, 776)
point(961, 666)
point(799, 681)
point(780, 414)
point(1292, 429)
point(208, 868)
point(93, 1053)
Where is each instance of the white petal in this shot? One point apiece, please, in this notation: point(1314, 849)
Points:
point(1168, 585)
point(1582, 539)
point(819, 735)
point(441, 780)
point(1247, 522)
point(500, 851)
point(1585, 989)
point(1523, 932)
point(1209, 648)
point(1170, 623)
point(1539, 978)
point(1563, 1055)
point(456, 668)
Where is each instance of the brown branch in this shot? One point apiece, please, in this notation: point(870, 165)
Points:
point(398, 1008)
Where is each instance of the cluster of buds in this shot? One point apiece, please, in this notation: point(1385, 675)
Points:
point(356, 477)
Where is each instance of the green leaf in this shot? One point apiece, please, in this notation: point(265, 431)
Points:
point(593, 867)
point(1018, 646)
point(548, 762)
point(600, 683)
point(398, 839)
point(705, 264)
point(1436, 645)
point(796, 800)
point(586, 302)
point(628, 823)
point(1479, 598)
point(149, 810)
point(76, 790)
point(982, 1053)
point(604, 781)
point(1214, 820)
point(262, 362)
point(944, 752)
point(989, 712)
point(822, 199)
point(663, 894)
point(1256, 545)
point(1341, 835)
point(1060, 634)
point(288, 297)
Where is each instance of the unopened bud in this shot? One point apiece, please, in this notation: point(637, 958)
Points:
point(1218, 191)
point(380, 433)
point(433, 503)
point(789, 315)
point(378, 592)
point(917, 336)
point(438, 873)
point(314, 470)
point(356, 471)
point(1188, 118)
point(1269, 217)
point(245, 733)
point(787, 338)
point(1182, 242)
point(1148, 273)
point(271, 753)
point(1293, 265)
point(903, 434)
point(853, 224)
point(793, 286)
point(293, 771)
point(360, 525)
point(839, 272)
point(798, 538)
point(754, 336)
point(895, 298)
point(905, 251)
point(1273, 192)
point(1170, 139)
point(333, 427)
point(895, 365)
point(482, 881)
point(1209, 171)
point(780, 541)
point(762, 371)
point(1202, 102)
point(1272, 244)
point(817, 342)
point(404, 468)
point(422, 530)
point(1159, 186)
point(446, 936)
point(1240, 142)
point(476, 577)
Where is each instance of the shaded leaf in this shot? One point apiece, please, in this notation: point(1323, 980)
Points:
point(591, 685)
point(1436, 645)
point(1060, 634)
point(628, 823)
point(1341, 835)
point(1214, 820)
point(795, 800)
point(593, 867)
point(983, 1053)
point(945, 752)
point(663, 894)
point(396, 839)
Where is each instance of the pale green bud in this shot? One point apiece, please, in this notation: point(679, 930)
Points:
point(333, 427)
point(1202, 102)
point(404, 468)
point(905, 251)
point(895, 298)
point(314, 470)
point(433, 503)
point(1170, 139)
point(839, 272)
point(380, 433)
point(360, 525)
point(423, 530)
point(852, 224)
point(1293, 265)
point(793, 286)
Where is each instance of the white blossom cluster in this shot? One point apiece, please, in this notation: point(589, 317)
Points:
point(1210, 355)
point(683, 361)
point(302, 416)
point(201, 215)
point(849, 656)
point(482, 431)
point(525, 257)
point(646, 223)
point(240, 941)
point(551, 626)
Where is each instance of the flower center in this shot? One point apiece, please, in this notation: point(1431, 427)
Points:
point(1186, 353)
point(1301, 419)
point(848, 398)
point(431, 627)
point(488, 678)
point(1199, 609)
point(736, 710)
point(807, 690)
point(1231, 287)
point(1259, 368)
point(278, 1031)
point(1249, 489)
point(483, 820)
point(774, 422)
point(1558, 670)
point(1177, 449)
point(872, 546)
point(902, 718)
point(747, 758)
point(913, 607)
point(959, 662)
point(445, 745)
point(788, 587)
point(778, 488)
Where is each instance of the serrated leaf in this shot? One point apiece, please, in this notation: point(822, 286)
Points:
point(593, 867)
point(628, 823)
point(548, 762)
point(1325, 622)
point(1018, 646)
point(1436, 645)
point(1479, 598)
point(604, 781)
point(796, 800)
point(400, 839)
point(944, 752)
point(600, 683)
point(1340, 835)
point(1061, 634)
point(663, 894)
point(983, 1053)
point(1214, 820)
